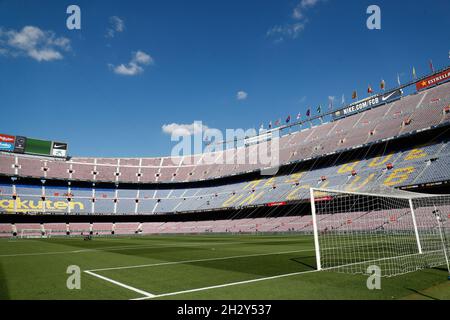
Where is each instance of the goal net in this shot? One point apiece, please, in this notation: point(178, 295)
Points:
point(35, 233)
point(397, 231)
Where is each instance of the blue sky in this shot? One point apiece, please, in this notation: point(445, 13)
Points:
point(109, 88)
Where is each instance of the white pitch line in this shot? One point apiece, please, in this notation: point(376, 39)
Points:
point(226, 285)
point(120, 284)
point(201, 260)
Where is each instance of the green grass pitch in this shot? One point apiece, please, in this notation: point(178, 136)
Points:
point(193, 267)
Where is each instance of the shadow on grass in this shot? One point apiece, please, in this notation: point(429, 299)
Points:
point(307, 261)
point(422, 294)
point(4, 292)
point(184, 248)
point(441, 269)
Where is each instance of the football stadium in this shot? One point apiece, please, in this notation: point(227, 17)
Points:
point(348, 200)
point(368, 187)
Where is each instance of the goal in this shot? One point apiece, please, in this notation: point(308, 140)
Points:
point(398, 231)
point(35, 233)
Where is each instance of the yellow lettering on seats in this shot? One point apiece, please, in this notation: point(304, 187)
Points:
point(353, 185)
point(73, 205)
point(252, 184)
point(269, 182)
point(348, 167)
point(251, 198)
point(7, 205)
point(415, 154)
point(293, 193)
point(398, 176)
point(293, 178)
point(20, 205)
point(324, 184)
point(379, 161)
point(231, 200)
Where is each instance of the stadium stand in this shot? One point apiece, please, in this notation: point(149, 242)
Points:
point(424, 164)
point(389, 219)
point(362, 150)
point(414, 112)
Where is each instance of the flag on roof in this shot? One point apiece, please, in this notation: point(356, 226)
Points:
point(319, 109)
point(414, 73)
point(343, 99)
point(369, 89)
point(288, 119)
point(330, 103)
point(270, 124)
point(383, 85)
point(431, 66)
point(398, 80)
point(277, 123)
point(355, 95)
point(308, 112)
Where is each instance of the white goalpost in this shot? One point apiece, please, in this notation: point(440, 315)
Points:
point(35, 233)
point(398, 231)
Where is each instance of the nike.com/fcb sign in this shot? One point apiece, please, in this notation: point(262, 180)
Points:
point(368, 103)
point(433, 80)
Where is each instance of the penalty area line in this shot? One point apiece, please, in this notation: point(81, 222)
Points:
point(120, 284)
point(226, 285)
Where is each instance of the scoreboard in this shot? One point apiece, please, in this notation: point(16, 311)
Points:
point(19, 144)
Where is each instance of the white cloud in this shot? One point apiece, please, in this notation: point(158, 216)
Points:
point(45, 55)
point(184, 129)
point(302, 99)
point(309, 3)
point(293, 29)
point(135, 66)
point(116, 25)
point(242, 95)
point(33, 42)
point(131, 69)
point(298, 12)
point(142, 58)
